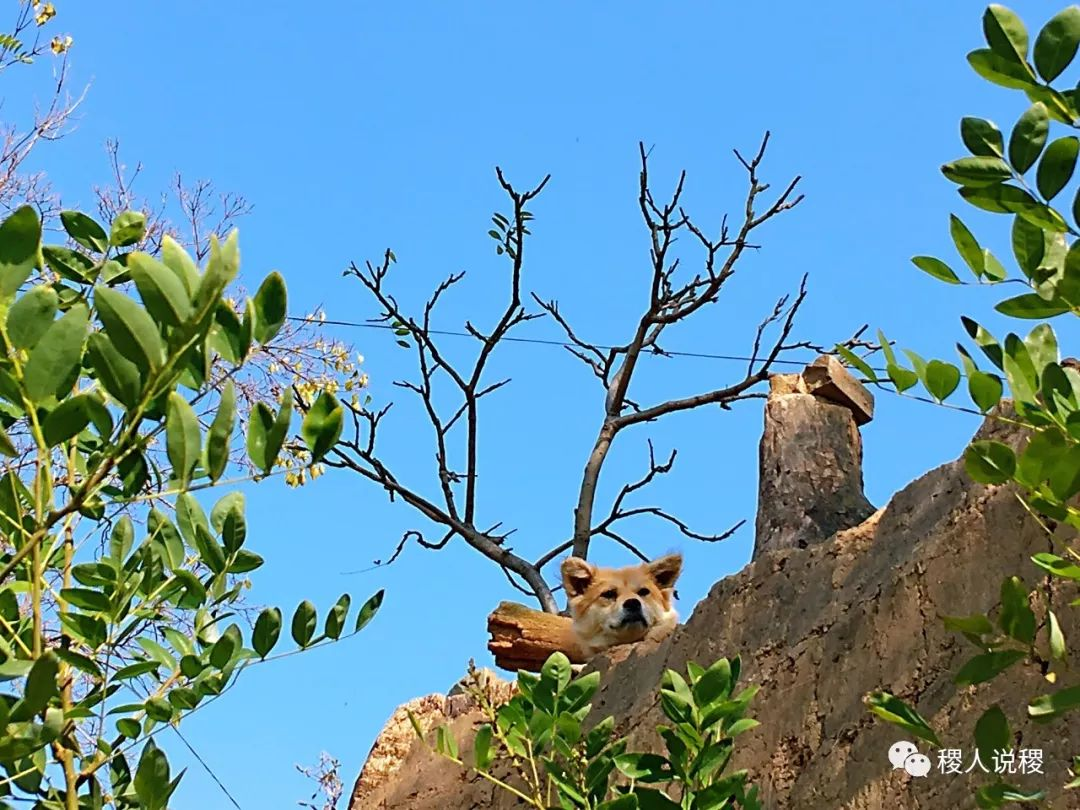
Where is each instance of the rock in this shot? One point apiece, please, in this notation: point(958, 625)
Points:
point(829, 379)
point(818, 627)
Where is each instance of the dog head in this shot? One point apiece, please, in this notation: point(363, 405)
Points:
point(620, 605)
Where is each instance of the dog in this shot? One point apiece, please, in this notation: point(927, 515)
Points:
point(611, 606)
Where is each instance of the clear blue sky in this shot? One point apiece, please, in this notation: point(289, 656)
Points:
point(353, 127)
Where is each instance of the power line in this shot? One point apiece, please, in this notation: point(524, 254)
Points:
point(207, 768)
point(542, 342)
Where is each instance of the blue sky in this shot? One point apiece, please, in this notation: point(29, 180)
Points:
point(357, 127)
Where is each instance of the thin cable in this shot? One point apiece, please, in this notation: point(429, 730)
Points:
point(542, 342)
point(206, 767)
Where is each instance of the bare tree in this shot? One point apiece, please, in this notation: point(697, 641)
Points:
point(672, 299)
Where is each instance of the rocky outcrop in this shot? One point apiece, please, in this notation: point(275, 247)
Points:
point(819, 625)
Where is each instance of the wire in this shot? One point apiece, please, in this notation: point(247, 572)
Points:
point(207, 768)
point(542, 342)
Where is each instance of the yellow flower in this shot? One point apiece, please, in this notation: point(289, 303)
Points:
point(44, 14)
point(60, 44)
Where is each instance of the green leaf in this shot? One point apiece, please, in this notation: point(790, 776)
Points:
point(1057, 638)
point(234, 531)
point(902, 378)
point(161, 290)
point(988, 666)
point(221, 269)
point(20, 249)
point(85, 231)
point(176, 259)
point(266, 632)
point(41, 687)
point(647, 768)
point(989, 462)
point(260, 422)
point(856, 362)
point(67, 419)
point(999, 199)
point(936, 268)
point(977, 172)
point(190, 516)
point(31, 316)
point(151, 782)
point(992, 734)
point(224, 648)
point(982, 137)
point(1029, 246)
point(1029, 137)
point(482, 753)
point(130, 328)
point(1020, 370)
point(279, 429)
point(967, 246)
point(182, 438)
point(368, 611)
point(999, 70)
point(303, 624)
point(977, 625)
point(57, 355)
point(1057, 165)
point(1056, 44)
point(1057, 566)
point(1049, 706)
point(218, 439)
point(626, 802)
point(1033, 307)
point(1042, 347)
point(985, 390)
point(1016, 619)
point(245, 561)
point(895, 711)
point(335, 619)
point(322, 425)
point(270, 307)
point(557, 671)
point(1005, 33)
point(985, 341)
point(941, 379)
point(209, 550)
point(129, 728)
point(70, 264)
point(128, 228)
point(117, 375)
point(714, 684)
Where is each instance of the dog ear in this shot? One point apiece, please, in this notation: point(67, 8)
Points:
point(666, 570)
point(577, 575)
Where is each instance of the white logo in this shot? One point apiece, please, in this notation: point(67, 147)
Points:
point(905, 755)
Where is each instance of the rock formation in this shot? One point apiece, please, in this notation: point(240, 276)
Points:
point(834, 605)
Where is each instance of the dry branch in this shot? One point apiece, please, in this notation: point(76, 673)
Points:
point(523, 638)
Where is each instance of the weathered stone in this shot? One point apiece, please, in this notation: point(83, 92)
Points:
point(810, 482)
point(818, 628)
point(829, 379)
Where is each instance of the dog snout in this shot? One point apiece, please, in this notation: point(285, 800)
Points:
point(632, 605)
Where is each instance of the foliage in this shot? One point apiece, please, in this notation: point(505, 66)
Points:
point(107, 640)
point(1024, 179)
point(542, 735)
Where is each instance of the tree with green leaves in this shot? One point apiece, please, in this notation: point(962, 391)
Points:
point(104, 643)
point(1024, 178)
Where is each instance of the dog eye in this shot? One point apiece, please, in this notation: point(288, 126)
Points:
point(643, 592)
point(609, 594)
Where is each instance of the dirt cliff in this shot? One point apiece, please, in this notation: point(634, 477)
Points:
point(819, 624)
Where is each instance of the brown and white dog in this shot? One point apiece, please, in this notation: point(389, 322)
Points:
point(612, 606)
